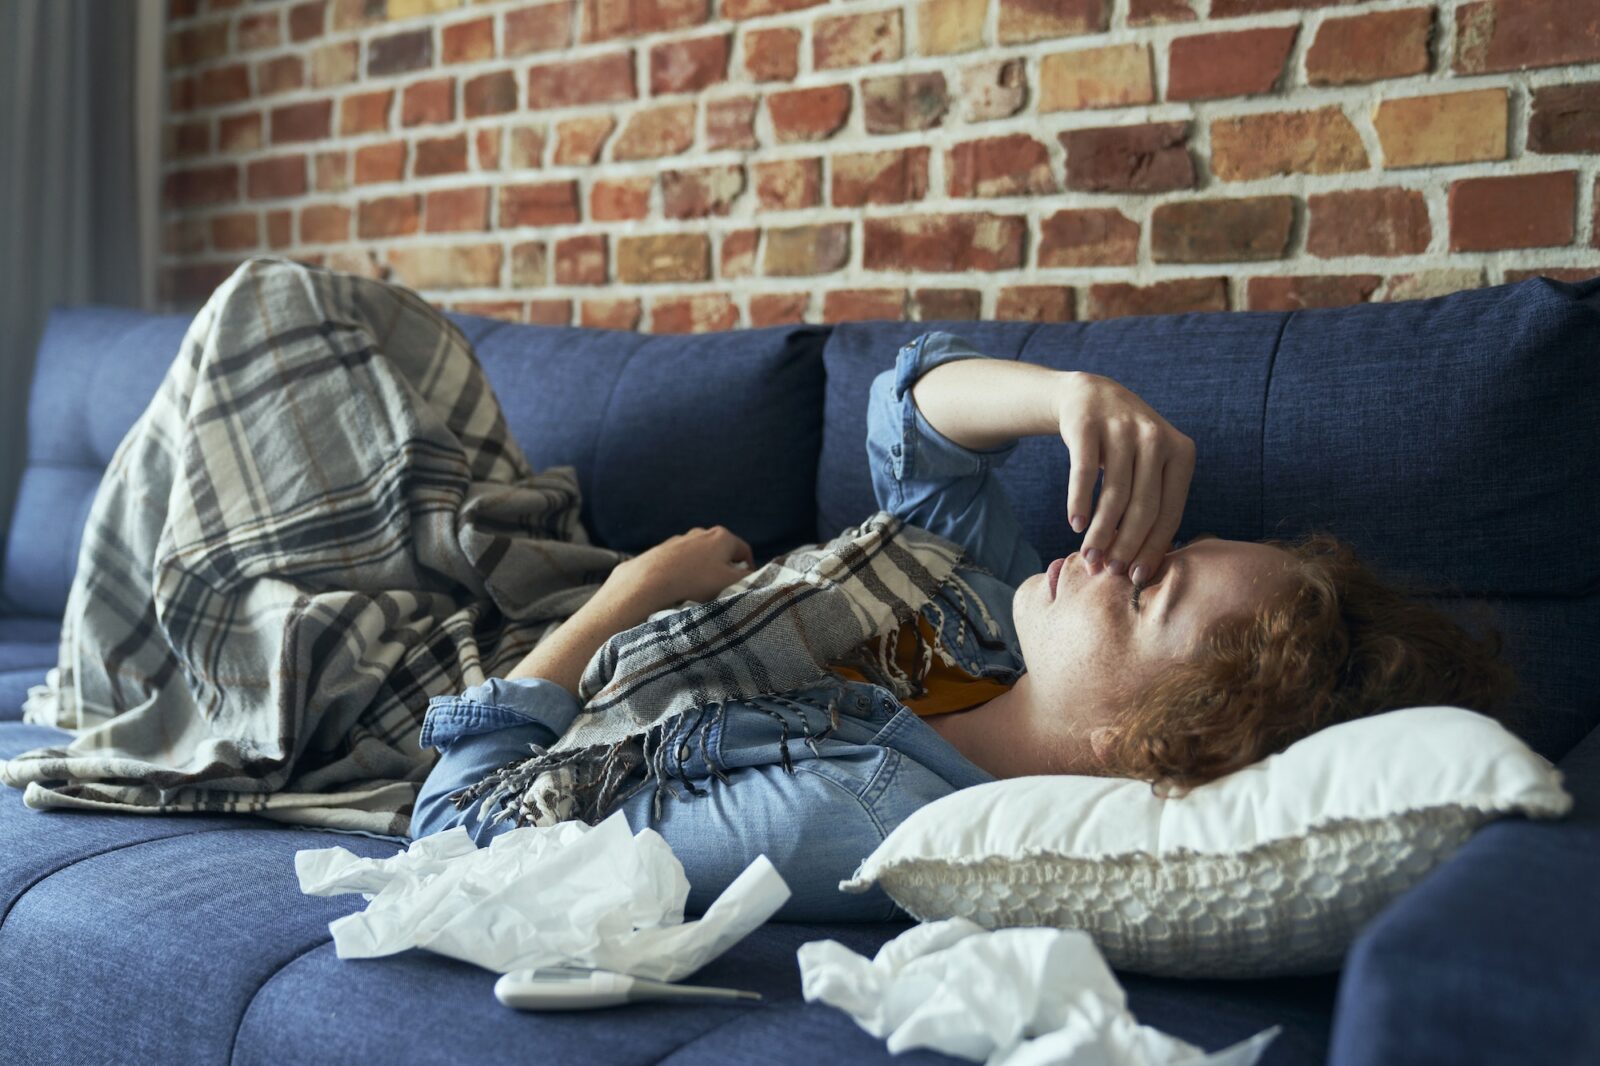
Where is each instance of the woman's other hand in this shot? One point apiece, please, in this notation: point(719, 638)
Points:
point(690, 566)
point(1148, 466)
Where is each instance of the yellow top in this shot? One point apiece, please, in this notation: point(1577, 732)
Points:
point(949, 688)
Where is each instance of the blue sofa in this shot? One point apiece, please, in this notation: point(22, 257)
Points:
point(1452, 440)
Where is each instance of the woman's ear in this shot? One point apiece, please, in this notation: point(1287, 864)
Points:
point(1100, 743)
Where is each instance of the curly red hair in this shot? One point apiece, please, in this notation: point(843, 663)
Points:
point(1343, 645)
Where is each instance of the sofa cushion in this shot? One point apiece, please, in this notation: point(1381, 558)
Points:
point(28, 648)
point(1436, 436)
point(112, 920)
point(668, 432)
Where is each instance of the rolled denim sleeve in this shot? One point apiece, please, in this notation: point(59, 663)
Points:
point(930, 481)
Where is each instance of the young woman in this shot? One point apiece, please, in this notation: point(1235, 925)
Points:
point(1133, 656)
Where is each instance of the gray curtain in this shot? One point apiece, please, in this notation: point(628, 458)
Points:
point(79, 151)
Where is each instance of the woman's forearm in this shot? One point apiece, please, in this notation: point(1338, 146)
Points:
point(985, 403)
point(562, 655)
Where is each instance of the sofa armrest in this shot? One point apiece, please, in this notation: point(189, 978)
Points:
point(1492, 958)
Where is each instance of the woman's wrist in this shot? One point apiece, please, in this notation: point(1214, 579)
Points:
point(986, 403)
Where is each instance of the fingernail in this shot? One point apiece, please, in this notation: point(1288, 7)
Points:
point(1092, 556)
point(1077, 523)
point(1138, 573)
point(1117, 566)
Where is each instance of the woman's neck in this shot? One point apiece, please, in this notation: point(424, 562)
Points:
point(1011, 736)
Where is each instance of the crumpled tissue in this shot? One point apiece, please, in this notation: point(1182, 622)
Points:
point(567, 894)
point(1017, 997)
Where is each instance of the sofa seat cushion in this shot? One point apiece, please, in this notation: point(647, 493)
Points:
point(109, 922)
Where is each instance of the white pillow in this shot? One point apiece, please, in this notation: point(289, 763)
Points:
point(1270, 870)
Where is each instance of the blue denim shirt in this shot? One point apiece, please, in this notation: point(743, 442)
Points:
point(881, 763)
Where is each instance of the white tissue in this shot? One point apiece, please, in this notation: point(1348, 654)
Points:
point(958, 988)
point(569, 893)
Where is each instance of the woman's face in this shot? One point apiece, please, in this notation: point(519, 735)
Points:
point(1082, 641)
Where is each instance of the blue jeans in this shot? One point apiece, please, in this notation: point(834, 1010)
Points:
point(815, 825)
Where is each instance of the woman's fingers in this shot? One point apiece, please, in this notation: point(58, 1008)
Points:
point(1176, 475)
point(1144, 505)
point(1084, 460)
point(1115, 490)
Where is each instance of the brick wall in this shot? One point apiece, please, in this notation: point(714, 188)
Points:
point(681, 165)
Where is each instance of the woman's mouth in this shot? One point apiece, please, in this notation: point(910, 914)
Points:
point(1053, 575)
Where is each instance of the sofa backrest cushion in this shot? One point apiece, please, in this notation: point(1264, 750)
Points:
point(1451, 441)
point(666, 432)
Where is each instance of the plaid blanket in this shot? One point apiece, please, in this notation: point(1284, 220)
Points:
point(322, 522)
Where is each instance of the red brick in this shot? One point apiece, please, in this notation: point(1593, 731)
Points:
point(944, 242)
point(772, 55)
point(182, 9)
point(1298, 293)
point(1035, 303)
point(530, 264)
point(992, 89)
point(222, 85)
point(749, 9)
point(1566, 118)
point(324, 224)
point(896, 176)
point(1496, 35)
point(1239, 63)
point(1383, 44)
point(946, 305)
point(279, 75)
point(260, 30)
point(1032, 20)
point(1013, 165)
point(184, 236)
point(550, 312)
point(856, 40)
point(1095, 236)
point(527, 147)
point(788, 184)
point(307, 20)
point(579, 140)
point(738, 253)
point(1230, 8)
point(197, 44)
point(598, 80)
point(1285, 142)
point(860, 305)
point(440, 155)
point(1149, 158)
point(435, 266)
point(656, 132)
point(1448, 128)
point(232, 233)
point(1516, 211)
point(466, 42)
point(545, 28)
point(335, 64)
point(188, 139)
point(703, 312)
point(581, 260)
point(389, 216)
point(689, 66)
point(380, 162)
point(804, 250)
point(610, 313)
point(663, 257)
point(701, 193)
point(1153, 12)
point(181, 94)
point(809, 114)
point(1570, 275)
point(731, 123)
point(239, 133)
point(604, 19)
point(903, 102)
point(1368, 222)
point(488, 148)
point(1221, 231)
point(365, 112)
point(778, 308)
point(400, 53)
point(489, 94)
point(331, 171)
point(453, 210)
point(1179, 296)
point(549, 203)
point(505, 310)
point(1115, 75)
point(620, 199)
point(428, 102)
point(277, 177)
point(311, 121)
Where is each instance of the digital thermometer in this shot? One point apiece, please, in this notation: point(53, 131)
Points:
point(573, 988)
